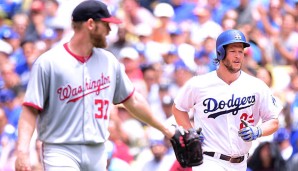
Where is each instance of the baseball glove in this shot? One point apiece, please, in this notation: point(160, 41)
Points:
point(187, 146)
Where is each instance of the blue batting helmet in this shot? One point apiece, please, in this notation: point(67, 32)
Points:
point(228, 37)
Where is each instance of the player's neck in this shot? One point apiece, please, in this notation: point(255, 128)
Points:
point(227, 76)
point(80, 48)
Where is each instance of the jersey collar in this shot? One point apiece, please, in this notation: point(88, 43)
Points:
point(82, 59)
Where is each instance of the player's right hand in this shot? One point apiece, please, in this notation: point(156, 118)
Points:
point(249, 133)
point(22, 162)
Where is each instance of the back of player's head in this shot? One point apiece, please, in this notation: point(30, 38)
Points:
point(229, 37)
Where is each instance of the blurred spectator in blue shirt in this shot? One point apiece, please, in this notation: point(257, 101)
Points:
point(48, 39)
point(10, 7)
point(150, 50)
point(285, 42)
point(217, 9)
point(270, 17)
point(11, 106)
point(282, 138)
point(294, 112)
point(205, 56)
point(51, 10)
point(204, 27)
point(14, 39)
point(183, 11)
point(23, 65)
point(259, 46)
point(168, 64)
point(182, 73)
point(20, 22)
point(11, 79)
point(185, 50)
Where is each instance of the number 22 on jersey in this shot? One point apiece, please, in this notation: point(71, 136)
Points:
point(246, 117)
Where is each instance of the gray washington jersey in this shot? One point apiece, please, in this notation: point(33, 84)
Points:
point(75, 97)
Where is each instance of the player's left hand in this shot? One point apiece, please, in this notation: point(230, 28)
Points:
point(250, 133)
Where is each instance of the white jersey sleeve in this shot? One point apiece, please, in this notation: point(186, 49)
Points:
point(185, 98)
point(270, 106)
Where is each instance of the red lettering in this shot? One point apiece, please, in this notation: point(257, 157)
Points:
point(102, 107)
point(69, 92)
point(248, 118)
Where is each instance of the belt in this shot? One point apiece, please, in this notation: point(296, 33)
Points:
point(226, 158)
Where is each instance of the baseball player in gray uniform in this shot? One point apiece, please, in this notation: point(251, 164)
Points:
point(70, 94)
point(228, 105)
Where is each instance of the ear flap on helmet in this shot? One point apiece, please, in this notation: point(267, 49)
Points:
point(221, 52)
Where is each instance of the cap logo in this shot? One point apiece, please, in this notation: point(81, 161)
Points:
point(237, 36)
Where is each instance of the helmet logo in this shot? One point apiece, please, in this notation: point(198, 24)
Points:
point(238, 36)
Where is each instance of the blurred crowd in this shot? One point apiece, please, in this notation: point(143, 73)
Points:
point(161, 44)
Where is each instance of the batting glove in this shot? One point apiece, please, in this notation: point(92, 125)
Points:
point(250, 133)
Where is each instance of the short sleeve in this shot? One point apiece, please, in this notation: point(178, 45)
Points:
point(38, 87)
point(124, 87)
point(185, 98)
point(270, 106)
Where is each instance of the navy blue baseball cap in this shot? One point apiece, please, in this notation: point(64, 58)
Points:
point(93, 9)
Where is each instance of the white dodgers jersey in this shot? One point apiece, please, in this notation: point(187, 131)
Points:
point(218, 109)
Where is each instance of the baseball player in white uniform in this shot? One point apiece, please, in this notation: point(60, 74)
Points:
point(228, 105)
point(70, 94)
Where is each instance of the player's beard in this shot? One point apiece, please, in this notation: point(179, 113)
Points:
point(98, 40)
point(229, 65)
